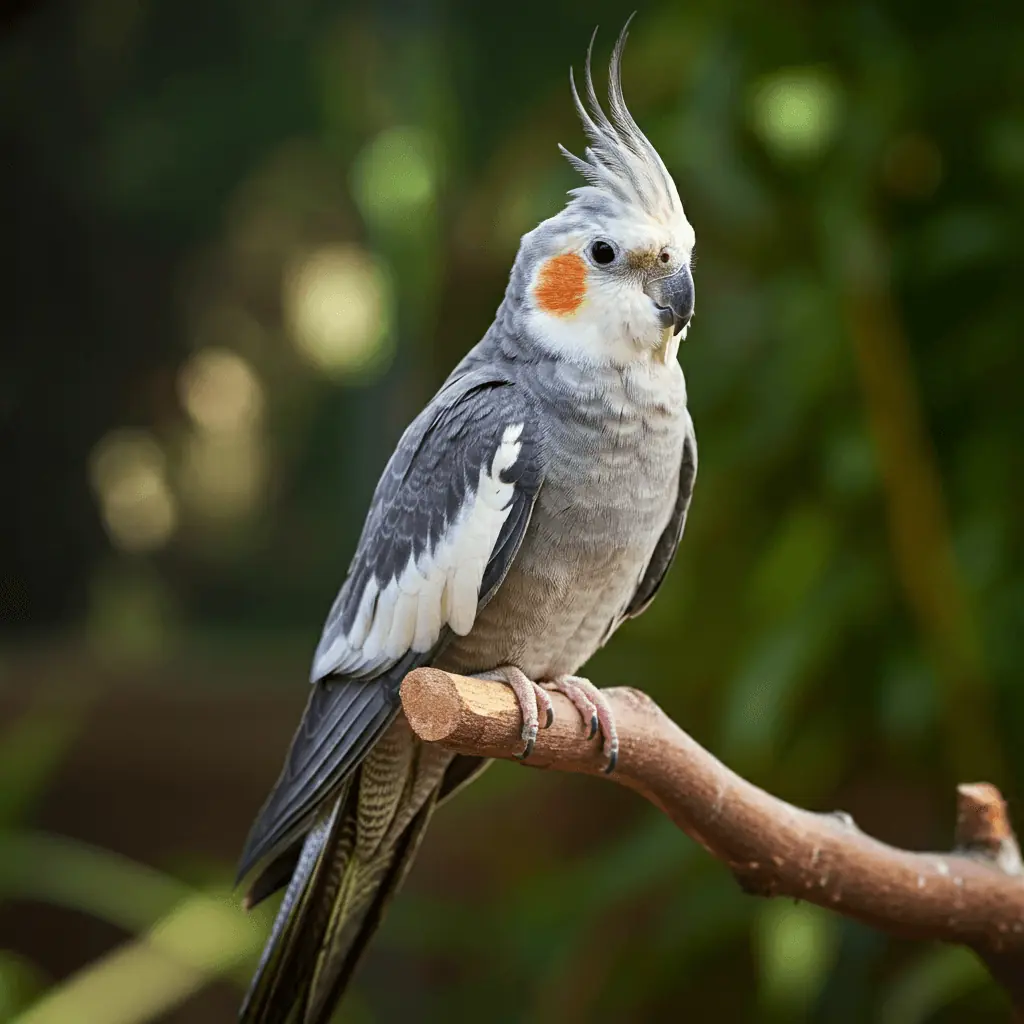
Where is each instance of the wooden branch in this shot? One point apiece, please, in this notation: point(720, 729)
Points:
point(973, 896)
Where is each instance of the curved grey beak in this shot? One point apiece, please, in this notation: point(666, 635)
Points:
point(673, 297)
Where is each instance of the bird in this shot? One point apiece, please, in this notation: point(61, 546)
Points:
point(533, 506)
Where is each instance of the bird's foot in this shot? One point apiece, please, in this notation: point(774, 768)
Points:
point(595, 709)
point(534, 703)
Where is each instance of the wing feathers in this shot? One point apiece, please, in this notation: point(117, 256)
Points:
point(364, 616)
point(403, 624)
point(668, 543)
point(340, 723)
point(442, 585)
point(429, 610)
point(445, 523)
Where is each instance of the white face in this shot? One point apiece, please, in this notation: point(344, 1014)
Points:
point(589, 297)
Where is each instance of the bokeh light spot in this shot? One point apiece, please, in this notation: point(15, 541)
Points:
point(337, 304)
point(127, 469)
point(395, 176)
point(796, 112)
point(796, 945)
point(222, 475)
point(220, 391)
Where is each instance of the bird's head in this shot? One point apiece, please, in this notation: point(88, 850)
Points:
point(608, 278)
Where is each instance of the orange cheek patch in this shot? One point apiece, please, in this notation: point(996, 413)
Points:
point(561, 285)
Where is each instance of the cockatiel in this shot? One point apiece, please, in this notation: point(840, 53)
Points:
point(533, 506)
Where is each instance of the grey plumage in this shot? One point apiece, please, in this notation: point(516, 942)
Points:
point(534, 505)
point(430, 478)
point(609, 494)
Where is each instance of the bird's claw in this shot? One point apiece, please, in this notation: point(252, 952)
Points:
point(530, 739)
point(533, 700)
point(593, 705)
point(544, 702)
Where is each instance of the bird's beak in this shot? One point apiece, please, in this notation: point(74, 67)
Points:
point(673, 298)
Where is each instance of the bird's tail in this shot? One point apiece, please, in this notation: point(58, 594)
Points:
point(350, 864)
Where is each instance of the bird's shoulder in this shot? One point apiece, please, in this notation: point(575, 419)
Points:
point(444, 524)
point(475, 411)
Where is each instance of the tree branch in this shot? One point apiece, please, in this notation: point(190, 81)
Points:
point(973, 896)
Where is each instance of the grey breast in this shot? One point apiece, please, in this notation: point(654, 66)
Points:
point(615, 443)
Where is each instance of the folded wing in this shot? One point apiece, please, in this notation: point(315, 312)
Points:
point(444, 526)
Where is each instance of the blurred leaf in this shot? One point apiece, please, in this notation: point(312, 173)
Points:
point(30, 750)
point(761, 696)
point(200, 938)
point(187, 936)
point(700, 916)
point(909, 699)
point(792, 562)
point(37, 866)
point(774, 675)
point(957, 240)
point(936, 979)
point(21, 981)
point(849, 462)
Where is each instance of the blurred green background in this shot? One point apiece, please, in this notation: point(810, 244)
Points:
point(247, 240)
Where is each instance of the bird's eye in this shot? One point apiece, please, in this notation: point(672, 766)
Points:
point(665, 256)
point(601, 252)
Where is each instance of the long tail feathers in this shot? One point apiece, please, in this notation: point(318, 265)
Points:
point(352, 862)
point(282, 975)
point(355, 927)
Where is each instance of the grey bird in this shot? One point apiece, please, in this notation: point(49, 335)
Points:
point(530, 509)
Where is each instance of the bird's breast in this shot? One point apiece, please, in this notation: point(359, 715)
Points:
point(608, 493)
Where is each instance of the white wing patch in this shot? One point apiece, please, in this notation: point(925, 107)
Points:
point(441, 587)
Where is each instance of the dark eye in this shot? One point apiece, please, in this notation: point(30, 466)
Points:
point(665, 256)
point(601, 252)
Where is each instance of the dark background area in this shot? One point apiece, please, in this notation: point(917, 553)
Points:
point(246, 241)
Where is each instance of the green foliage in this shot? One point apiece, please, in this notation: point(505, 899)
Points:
point(31, 748)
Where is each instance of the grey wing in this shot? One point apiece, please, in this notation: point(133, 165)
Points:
point(668, 542)
point(444, 525)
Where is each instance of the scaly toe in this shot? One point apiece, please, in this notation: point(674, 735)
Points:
point(531, 699)
point(592, 704)
point(581, 701)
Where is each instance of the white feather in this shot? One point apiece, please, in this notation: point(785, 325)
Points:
point(463, 589)
point(428, 615)
point(441, 587)
point(361, 626)
point(345, 653)
point(477, 529)
point(403, 625)
point(374, 643)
